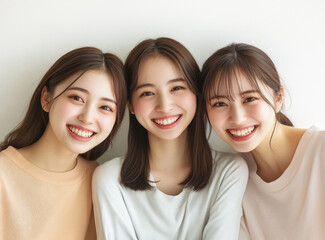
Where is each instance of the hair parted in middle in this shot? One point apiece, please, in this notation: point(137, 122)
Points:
point(135, 169)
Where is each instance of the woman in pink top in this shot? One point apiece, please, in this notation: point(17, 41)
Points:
point(285, 195)
point(46, 163)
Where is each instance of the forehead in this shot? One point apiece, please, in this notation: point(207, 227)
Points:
point(231, 84)
point(236, 83)
point(157, 69)
point(96, 82)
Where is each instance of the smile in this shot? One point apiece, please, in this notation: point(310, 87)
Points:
point(241, 132)
point(166, 121)
point(81, 132)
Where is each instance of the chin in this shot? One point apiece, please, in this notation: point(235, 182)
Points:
point(242, 149)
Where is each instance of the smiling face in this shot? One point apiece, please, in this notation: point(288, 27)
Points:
point(246, 121)
point(162, 101)
point(83, 115)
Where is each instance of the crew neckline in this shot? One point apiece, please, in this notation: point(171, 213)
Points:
point(55, 178)
point(153, 184)
point(286, 177)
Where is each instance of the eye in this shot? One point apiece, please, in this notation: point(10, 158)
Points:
point(106, 108)
point(250, 99)
point(145, 94)
point(219, 104)
point(77, 98)
point(177, 88)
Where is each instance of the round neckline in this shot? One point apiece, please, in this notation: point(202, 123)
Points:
point(154, 185)
point(56, 178)
point(282, 181)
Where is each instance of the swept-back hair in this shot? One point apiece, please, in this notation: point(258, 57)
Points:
point(77, 61)
point(221, 70)
point(135, 169)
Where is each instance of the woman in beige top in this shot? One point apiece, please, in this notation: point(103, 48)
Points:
point(46, 163)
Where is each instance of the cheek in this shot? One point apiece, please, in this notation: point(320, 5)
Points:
point(188, 102)
point(216, 118)
point(107, 123)
point(142, 107)
point(263, 112)
point(63, 110)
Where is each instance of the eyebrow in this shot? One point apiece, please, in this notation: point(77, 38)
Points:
point(152, 85)
point(87, 92)
point(227, 97)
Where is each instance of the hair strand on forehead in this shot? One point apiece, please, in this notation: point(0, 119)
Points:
point(221, 72)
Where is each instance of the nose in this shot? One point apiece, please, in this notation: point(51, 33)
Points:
point(86, 115)
point(237, 114)
point(165, 103)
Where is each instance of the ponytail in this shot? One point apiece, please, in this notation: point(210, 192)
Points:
point(283, 119)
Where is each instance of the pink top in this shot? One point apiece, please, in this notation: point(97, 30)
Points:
point(292, 206)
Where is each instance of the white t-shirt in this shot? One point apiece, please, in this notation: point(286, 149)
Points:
point(211, 213)
point(293, 206)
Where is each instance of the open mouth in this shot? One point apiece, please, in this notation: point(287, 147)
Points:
point(166, 121)
point(243, 132)
point(81, 132)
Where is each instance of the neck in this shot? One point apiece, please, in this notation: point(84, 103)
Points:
point(169, 163)
point(49, 155)
point(168, 154)
point(273, 157)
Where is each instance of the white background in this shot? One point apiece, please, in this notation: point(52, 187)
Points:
point(34, 34)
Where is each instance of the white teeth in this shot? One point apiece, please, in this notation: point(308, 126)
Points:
point(242, 133)
point(81, 133)
point(166, 121)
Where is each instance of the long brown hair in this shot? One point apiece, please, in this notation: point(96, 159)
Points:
point(77, 61)
point(135, 168)
point(221, 71)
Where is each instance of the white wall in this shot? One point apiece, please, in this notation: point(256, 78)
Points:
point(35, 33)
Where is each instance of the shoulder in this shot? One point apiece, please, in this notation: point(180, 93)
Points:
point(316, 133)
point(225, 163)
point(108, 172)
point(9, 152)
point(10, 157)
point(225, 160)
point(4, 159)
point(314, 138)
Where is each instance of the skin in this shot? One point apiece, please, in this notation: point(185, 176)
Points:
point(247, 122)
point(89, 105)
point(164, 105)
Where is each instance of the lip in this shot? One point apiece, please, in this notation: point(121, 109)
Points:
point(80, 138)
point(179, 116)
point(242, 138)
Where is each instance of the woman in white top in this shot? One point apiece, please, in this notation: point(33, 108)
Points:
point(285, 193)
point(169, 185)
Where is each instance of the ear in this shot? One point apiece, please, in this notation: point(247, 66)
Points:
point(45, 99)
point(130, 106)
point(279, 100)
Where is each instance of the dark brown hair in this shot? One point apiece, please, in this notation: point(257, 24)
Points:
point(222, 68)
point(135, 169)
point(77, 61)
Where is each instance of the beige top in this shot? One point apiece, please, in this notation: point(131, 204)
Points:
point(38, 204)
point(293, 206)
